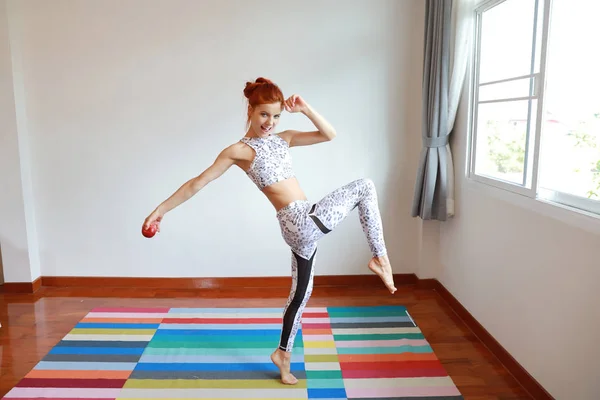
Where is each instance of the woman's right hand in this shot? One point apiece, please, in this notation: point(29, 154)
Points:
point(153, 219)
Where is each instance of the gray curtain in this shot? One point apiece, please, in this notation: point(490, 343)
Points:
point(431, 188)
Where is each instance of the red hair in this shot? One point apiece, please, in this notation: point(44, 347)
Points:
point(263, 91)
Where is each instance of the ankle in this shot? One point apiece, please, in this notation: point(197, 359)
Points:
point(286, 355)
point(382, 258)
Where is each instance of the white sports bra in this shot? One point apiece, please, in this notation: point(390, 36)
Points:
point(272, 162)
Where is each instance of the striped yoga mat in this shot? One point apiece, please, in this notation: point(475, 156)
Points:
point(223, 353)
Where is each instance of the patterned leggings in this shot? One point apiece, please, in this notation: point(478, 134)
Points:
point(302, 225)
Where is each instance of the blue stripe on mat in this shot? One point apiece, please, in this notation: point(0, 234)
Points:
point(213, 367)
point(219, 332)
point(109, 343)
point(97, 350)
point(327, 393)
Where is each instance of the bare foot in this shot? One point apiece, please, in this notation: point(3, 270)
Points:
point(282, 360)
point(381, 266)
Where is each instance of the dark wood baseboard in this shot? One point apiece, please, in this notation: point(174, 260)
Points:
point(22, 287)
point(528, 382)
point(219, 283)
point(521, 375)
point(427, 284)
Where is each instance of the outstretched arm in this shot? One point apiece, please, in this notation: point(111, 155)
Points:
point(221, 164)
point(324, 132)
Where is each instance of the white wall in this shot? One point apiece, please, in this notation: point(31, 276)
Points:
point(128, 100)
point(18, 237)
point(528, 272)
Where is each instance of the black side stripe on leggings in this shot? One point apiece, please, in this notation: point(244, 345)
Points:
point(317, 221)
point(304, 268)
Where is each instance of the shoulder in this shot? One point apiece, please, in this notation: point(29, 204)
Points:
point(237, 151)
point(286, 136)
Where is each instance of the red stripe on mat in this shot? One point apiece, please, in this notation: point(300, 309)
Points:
point(402, 373)
point(315, 315)
point(223, 321)
point(76, 374)
point(72, 383)
point(389, 365)
point(404, 357)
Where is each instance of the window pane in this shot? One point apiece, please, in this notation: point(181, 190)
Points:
point(506, 40)
point(570, 158)
point(501, 140)
point(505, 90)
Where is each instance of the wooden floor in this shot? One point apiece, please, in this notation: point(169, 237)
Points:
point(33, 324)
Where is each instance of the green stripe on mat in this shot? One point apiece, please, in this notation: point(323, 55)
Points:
point(362, 314)
point(326, 383)
point(323, 375)
point(109, 331)
point(190, 351)
point(379, 336)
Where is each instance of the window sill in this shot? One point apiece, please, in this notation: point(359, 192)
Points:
point(569, 215)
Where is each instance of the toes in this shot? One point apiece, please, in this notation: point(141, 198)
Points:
point(291, 380)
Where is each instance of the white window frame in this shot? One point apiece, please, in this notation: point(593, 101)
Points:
point(529, 188)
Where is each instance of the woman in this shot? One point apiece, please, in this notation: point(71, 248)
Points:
point(264, 157)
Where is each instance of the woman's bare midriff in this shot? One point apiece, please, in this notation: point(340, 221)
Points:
point(282, 193)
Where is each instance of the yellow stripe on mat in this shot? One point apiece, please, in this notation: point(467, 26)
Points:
point(320, 344)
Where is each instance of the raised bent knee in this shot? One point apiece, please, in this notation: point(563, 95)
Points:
point(368, 184)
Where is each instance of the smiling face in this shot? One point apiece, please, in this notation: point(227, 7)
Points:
point(265, 104)
point(264, 118)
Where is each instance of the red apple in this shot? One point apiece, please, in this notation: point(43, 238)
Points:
point(151, 231)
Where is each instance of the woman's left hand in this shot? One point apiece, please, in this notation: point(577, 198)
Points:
point(295, 103)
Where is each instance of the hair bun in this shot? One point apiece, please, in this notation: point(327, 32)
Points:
point(249, 89)
point(263, 80)
point(252, 86)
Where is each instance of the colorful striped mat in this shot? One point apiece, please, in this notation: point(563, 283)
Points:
point(223, 353)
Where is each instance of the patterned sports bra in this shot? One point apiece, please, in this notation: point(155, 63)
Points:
point(272, 162)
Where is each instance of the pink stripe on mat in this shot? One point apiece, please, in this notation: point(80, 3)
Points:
point(55, 398)
point(405, 391)
point(317, 338)
point(130, 310)
point(381, 343)
point(316, 326)
point(310, 320)
point(62, 393)
point(315, 309)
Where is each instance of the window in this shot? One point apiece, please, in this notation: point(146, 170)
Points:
point(536, 100)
